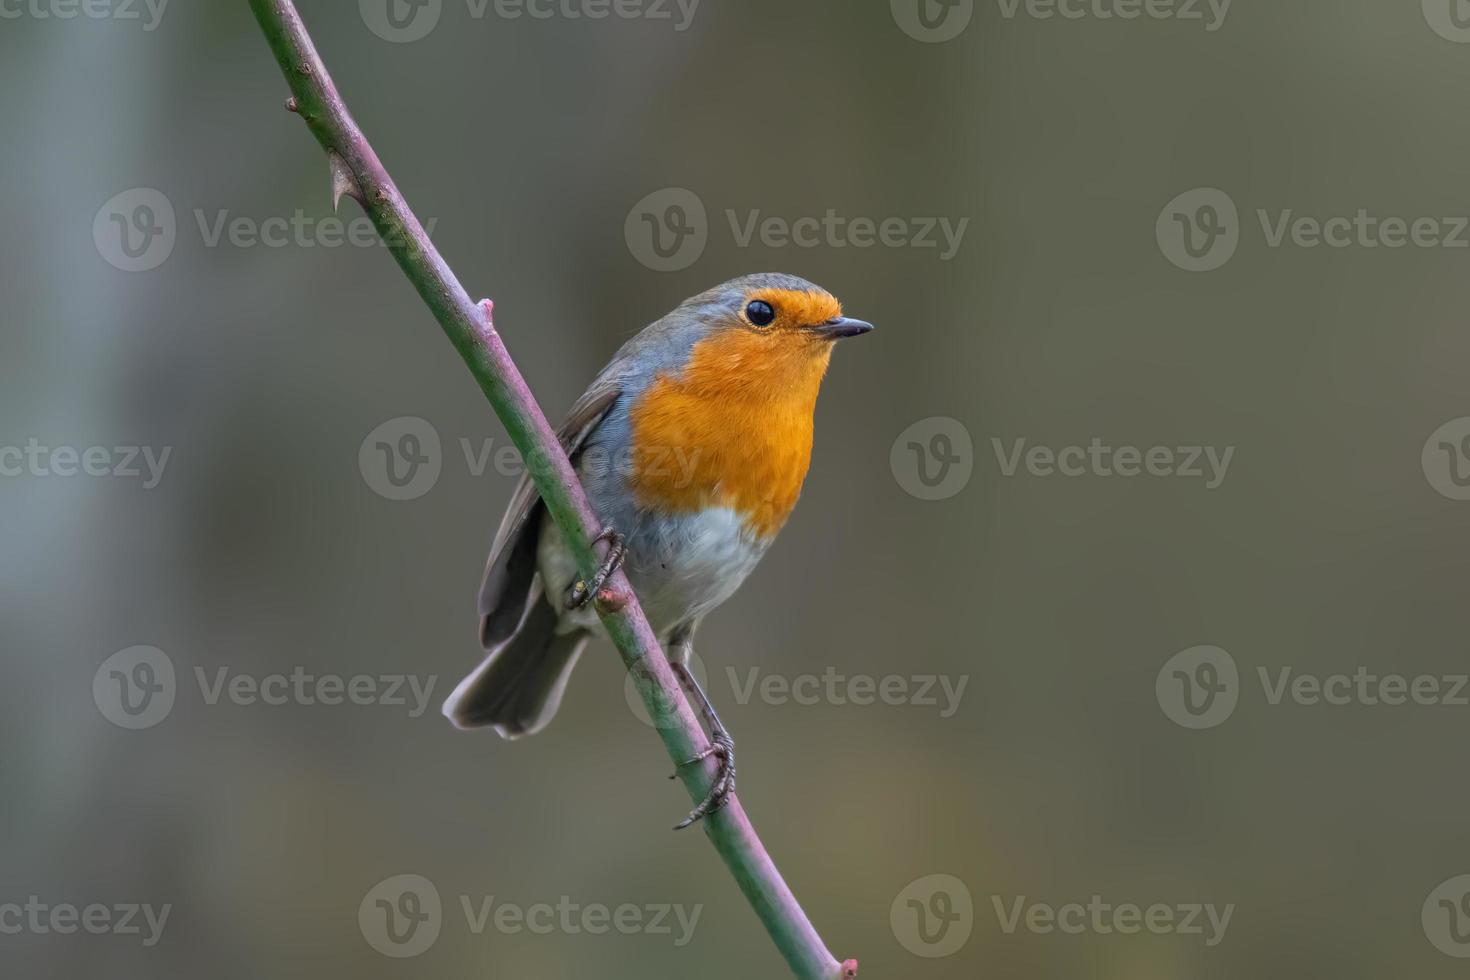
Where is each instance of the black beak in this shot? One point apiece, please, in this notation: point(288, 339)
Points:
point(839, 327)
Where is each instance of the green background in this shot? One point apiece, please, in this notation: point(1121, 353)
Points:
point(1326, 548)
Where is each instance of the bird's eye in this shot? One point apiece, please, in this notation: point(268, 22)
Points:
point(761, 313)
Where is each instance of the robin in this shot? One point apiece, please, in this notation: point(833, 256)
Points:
point(692, 445)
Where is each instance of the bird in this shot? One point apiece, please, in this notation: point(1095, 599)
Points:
point(692, 444)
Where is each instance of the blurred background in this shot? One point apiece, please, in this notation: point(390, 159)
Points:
point(248, 488)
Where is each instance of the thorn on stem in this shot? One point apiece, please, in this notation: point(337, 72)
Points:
point(343, 182)
point(292, 105)
point(849, 970)
point(611, 601)
point(486, 327)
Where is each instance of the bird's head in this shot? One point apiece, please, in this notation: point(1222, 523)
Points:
point(768, 328)
point(782, 310)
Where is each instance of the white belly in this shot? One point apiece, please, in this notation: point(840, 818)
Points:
point(681, 567)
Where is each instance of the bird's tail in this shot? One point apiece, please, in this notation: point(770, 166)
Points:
point(519, 686)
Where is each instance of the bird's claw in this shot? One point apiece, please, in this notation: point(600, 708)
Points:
point(617, 549)
point(722, 747)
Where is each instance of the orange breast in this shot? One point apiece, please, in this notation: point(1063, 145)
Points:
point(733, 429)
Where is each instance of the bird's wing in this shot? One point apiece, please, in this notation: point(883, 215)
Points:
point(512, 563)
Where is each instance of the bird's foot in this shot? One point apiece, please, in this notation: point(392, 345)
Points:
point(722, 747)
point(617, 549)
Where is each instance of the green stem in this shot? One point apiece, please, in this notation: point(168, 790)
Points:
point(471, 328)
